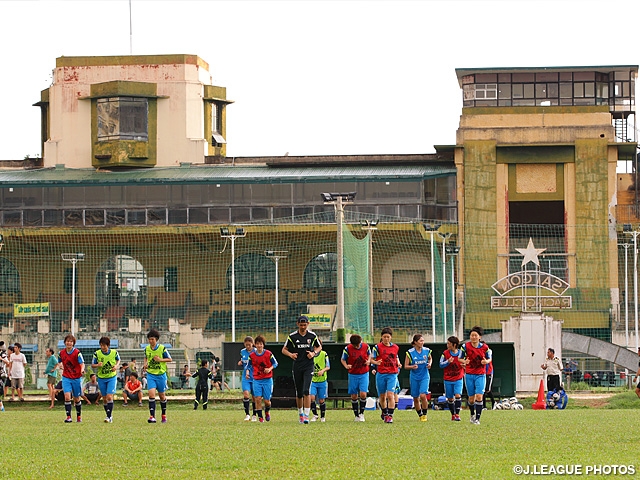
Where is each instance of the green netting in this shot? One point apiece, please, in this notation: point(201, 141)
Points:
point(357, 288)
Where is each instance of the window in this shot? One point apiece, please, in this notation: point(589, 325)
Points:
point(253, 271)
point(216, 125)
point(9, 277)
point(122, 118)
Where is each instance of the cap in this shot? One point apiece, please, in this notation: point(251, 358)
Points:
point(303, 319)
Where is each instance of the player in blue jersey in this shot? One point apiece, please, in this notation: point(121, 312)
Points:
point(418, 362)
point(247, 383)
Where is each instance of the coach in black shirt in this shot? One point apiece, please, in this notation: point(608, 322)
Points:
point(302, 346)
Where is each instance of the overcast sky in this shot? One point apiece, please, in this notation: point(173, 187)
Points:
point(313, 77)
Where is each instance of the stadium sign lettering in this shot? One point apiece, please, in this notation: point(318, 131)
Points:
point(530, 303)
point(530, 279)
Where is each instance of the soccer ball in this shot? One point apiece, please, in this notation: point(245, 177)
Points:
point(518, 406)
point(552, 404)
point(513, 400)
point(506, 405)
point(497, 406)
point(556, 397)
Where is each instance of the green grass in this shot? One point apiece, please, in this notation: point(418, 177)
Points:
point(217, 443)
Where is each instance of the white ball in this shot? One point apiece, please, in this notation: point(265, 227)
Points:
point(497, 406)
point(552, 404)
point(518, 406)
point(506, 406)
point(556, 397)
point(513, 400)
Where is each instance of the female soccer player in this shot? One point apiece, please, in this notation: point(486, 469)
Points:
point(247, 383)
point(385, 357)
point(474, 356)
point(106, 361)
point(72, 372)
point(156, 358)
point(418, 362)
point(453, 373)
point(319, 384)
point(356, 358)
point(262, 362)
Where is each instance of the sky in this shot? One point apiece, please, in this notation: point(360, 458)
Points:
point(312, 77)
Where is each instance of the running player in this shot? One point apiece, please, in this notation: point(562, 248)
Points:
point(202, 375)
point(302, 346)
point(356, 358)
point(453, 373)
point(385, 357)
point(156, 358)
point(247, 383)
point(106, 361)
point(418, 362)
point(474, 356)
point(262, 362)
point(72, 372)
point(319, 384)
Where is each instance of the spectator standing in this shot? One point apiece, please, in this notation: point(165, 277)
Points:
point(17, 368)
point(553, 366)
point(302, 346)
point(52, 377)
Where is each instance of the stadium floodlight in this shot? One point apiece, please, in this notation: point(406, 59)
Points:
point(339, 199)
point(444, 236)
point(452, 251)
point(370, 226)
point(629, 231)
point(276, 256)
point(73, 258)
point(431, 228)
point(239, 233)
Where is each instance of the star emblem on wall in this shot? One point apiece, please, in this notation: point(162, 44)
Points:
point(530, 253)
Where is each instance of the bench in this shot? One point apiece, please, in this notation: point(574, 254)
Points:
point(338, 391)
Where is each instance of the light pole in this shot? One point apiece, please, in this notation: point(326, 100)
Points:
point(444, 237)
point(626, 228)
point(276, 255)
point(452, 251)
point(73, 258)
point(239, 233)
point(338, 200)
point(432, 228)
point(370, 226)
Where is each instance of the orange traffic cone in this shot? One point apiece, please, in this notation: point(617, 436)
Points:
point(540, 404)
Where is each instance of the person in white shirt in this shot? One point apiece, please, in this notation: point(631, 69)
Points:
point(553, 366)
point(17, 364)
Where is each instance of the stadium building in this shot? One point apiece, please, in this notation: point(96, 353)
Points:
point(134, 217)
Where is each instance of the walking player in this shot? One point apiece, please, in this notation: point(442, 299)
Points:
point(156, 358)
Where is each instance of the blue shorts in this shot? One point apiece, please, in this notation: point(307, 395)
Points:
point(107, 385)
point(73, 385)
point(396, 389)
point(419, 386)
point(159, 382)
point(247, 385)
point(452, 388)
point(319, 390)
point(475, 384)
point(386, 382)
point(358, 382)
point(263, 388)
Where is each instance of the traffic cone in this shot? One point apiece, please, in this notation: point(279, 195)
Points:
point(540, 404)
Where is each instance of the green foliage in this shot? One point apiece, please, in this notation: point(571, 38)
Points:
point(626, 400)
point(347, 449)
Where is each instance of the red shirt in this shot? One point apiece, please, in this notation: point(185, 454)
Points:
point(357, 358)
point(72, 366)
point(389, 357)
point(260, 362)
point(453, 371)
point(475, 355)
point(131, 386)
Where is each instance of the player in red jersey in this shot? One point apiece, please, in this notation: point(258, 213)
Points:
point(385, 357)
point(72, 372)
point(453, 373)
point(474, 356)
point(262, 362)
point(356, 358)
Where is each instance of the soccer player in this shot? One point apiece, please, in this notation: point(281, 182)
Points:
point(385, 357)
point(356, 358)
point(418, 362)
point(202, 375)
point(453, 373)
point(156, 358)
point(474, 356)
point(247, 383)
point(262, 362)
point(302, 346)
point(106, 361)
point(72, 372)
point(319, 384)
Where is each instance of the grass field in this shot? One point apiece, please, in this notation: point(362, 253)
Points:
point(217, 443)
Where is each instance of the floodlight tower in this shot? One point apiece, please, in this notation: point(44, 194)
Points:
point(73, 258)
point(432, 228)
point(239, 233)
point(276, 255)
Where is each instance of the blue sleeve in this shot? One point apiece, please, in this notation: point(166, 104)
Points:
point(374, 352)
point(94, 360)
point(274, 362)
point(80, 358)
point(443, 361)
point(463, 352)
point(327, 364)
point(117, 357)
point(166, 354)
point(488, 354)
point(345, 354)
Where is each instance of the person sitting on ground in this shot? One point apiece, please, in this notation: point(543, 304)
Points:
point(58, 392)
point(218, 383)
point(184, 377)
point(132, 390)
point(91, 391)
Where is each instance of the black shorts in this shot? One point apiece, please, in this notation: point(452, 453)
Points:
point(302, 381)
